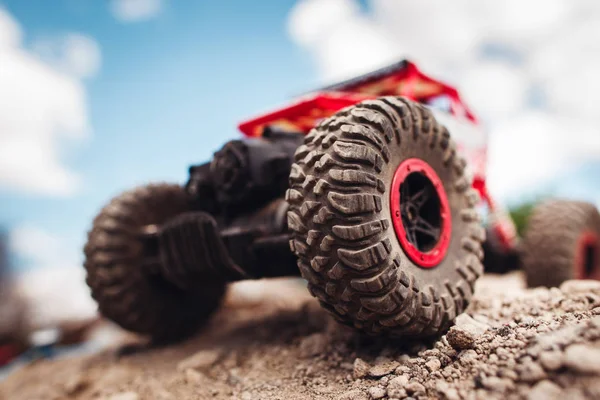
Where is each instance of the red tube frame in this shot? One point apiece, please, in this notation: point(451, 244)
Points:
point(401, 79)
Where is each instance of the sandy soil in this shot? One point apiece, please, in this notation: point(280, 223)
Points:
point(272, 341)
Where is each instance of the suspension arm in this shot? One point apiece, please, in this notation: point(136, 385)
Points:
point(193, 249)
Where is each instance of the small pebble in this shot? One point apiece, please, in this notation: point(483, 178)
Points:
point(361, 368)
point(551, 360)
point(545, 390)
point(376, 392)
point(433, 364)
point(383, 369)
point(583, 358)
point(415, 387)
point(531, 372)
point(396, 386)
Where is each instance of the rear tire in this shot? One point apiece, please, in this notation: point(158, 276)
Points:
point(136, 299)
point(344, 231)
point(561, 242)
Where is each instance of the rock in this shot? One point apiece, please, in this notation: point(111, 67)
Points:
point(399, 381)
point(465, 331)
point(545, 390)
point(575, 394)
point(583, 358)
point(445, 391)
point(383, 369)
point(397, 394)
point(234, 378)
point(376, 392)
point(551, 360)
point(75, 384)
point(192, 376)
point(467, 357)
point(246, 396)
point(433, 364)
point(313, 345)
point(361, 368)
point(460, 339)
point(498, 385)
point(531, 372)
point(402, 369)
point(396, 386)
point(201, 360)
point(580, 286)
point(465, 321)
point(415, 388)
point(353, 395)
point(452, 394)
point(124, 396)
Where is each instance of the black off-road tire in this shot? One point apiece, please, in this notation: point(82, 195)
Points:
point(128, 294)
point(340, 214)
point(551, 246)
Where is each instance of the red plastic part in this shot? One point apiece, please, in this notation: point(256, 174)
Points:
point(407, 81)
point(303, 115)
point(8, 352)
point(433, 257)
point(586, 241)
point(503, 227)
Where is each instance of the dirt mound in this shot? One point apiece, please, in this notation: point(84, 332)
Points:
point(272, 341)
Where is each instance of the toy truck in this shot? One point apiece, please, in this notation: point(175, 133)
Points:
point(372, 190)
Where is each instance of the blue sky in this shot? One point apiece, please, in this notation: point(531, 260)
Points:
point(170, 88)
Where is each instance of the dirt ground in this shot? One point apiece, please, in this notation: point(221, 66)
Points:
point(272, 341)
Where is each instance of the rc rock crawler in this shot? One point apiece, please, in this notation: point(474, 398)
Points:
point(359, 188)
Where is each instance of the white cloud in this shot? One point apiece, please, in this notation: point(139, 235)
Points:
point(535, 147)
point(11, 32)
point(500, 55)
point(495, 90)
point(343, 42)
point(135, 10)
point(41, 248)
point(74, 54)
point(55, 296)
point(40, 108)
point(55, 291)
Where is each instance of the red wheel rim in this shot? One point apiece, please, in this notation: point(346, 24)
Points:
point(420, 213)
point(586, 256)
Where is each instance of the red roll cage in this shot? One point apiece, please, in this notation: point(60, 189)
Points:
point(400, 79)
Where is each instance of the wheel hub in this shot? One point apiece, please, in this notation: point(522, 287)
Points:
point(420, 213)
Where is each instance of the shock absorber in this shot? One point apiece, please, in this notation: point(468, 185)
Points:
point(246, 174)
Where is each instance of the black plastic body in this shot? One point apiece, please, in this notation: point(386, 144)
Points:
point(237, 228)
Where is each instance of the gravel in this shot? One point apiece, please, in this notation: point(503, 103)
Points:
point(511, 344)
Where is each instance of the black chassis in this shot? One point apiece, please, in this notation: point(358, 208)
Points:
point(237, 225)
